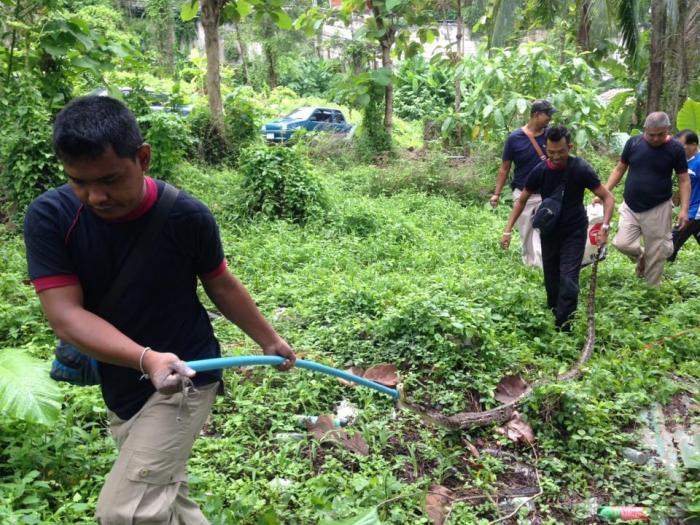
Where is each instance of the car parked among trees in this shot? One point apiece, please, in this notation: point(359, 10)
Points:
point(309, 118)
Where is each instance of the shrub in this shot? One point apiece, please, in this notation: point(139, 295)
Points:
point(28, 165)
point(310, 75)
point(209, 146)
point(373, 140)
point(415, 104)
point(241, 124)
point(422, 89)
point(278, 183)
point(169, 137)
point(496, 97)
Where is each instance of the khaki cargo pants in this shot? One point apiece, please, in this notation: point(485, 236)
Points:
point(148, 482)
point(529, 236)
point(654, 228)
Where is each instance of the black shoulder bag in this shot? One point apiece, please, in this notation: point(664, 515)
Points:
point(70, 364)
point(546, 217)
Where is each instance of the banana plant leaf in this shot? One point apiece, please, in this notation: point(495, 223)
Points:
point(26, 390)
point(689, 116)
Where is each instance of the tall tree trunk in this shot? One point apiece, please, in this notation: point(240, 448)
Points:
point(457, 59)
point(243, 52)
point(161, 29)
point(211, 13)
point(562, 47)
point(169, 42)
point(13, 41)
point(271, 69)
point(386, 42)
point(317, 44)
point(389, 89)
point(584, 25)
point(676, 73)
point(268, 33)
point(656, 55)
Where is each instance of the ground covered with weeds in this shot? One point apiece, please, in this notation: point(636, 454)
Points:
point(403, 267)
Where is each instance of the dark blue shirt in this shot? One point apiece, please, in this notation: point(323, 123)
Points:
point(67, 243)
point(694, 174)
point(649, 181)
point(579, 176)
point(521, 152)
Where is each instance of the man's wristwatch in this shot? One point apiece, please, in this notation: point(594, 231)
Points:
point(605, 227)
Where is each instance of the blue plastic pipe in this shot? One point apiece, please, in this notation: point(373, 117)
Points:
point(254, 360)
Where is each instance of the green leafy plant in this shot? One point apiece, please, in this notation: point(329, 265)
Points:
point(423, 89)
point(210, 146)
point(170, 139)
point(241, 123)
point(689, 116)
point(310, 75)
point(373, 138)
point(496, 96)
point(26, 391)
point(29, 166)
point(279, 183)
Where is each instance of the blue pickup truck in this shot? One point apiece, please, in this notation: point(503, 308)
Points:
point(309, 118)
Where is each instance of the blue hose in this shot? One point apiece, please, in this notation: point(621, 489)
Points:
point(230, 362)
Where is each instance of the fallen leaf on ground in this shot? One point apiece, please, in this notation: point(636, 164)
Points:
point(471, 448)
point(319, 427)
point(325, 430)
point(510, 388)
point(437, 503)
point(354, 443)
point(384, 374)
point(354, 370)
point(517, 430)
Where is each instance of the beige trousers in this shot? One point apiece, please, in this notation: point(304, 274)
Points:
point(529, 237)
point(654, 228)
point(148, 482)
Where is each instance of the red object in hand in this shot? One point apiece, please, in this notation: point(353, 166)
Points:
point(593, 233)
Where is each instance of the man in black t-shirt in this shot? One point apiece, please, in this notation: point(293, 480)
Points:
point(525, 148)
point(78, 237)
point(562, 249)
point(646, 211)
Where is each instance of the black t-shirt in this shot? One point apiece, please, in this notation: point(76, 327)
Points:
point(520, 151)
point(649, 180)
point(68, 244)
point(580, 175)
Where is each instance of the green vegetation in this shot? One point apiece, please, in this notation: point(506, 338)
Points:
point(373, 248)
point(411, 276)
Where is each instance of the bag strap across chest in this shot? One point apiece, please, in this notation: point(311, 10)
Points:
point(141, 251)
point(534, 143)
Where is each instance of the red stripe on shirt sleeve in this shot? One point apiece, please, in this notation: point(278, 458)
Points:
point(54, 281)
point(215, 272)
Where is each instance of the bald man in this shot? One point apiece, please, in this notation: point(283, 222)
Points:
point(644, 231)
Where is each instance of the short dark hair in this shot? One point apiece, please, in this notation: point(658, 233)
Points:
point(87, 126)
point(690, 136)
point(556, 133)
point(542, 106)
